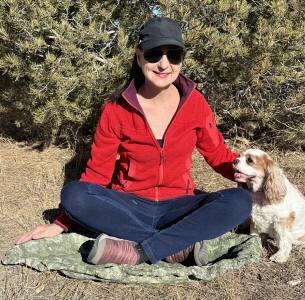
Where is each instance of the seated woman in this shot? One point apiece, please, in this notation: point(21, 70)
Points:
point(154, 123)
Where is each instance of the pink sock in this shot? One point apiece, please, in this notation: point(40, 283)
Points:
point(119, 252)
point(180, 256)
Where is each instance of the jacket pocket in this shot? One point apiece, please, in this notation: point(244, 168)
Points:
point(187, 187)
point(126, 182)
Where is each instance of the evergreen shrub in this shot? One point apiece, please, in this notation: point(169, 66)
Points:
point(248, 58)
point(59, 61)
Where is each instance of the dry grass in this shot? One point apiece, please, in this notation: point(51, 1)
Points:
point(30, 183)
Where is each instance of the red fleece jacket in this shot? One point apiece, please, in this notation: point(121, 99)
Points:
point(145, 168)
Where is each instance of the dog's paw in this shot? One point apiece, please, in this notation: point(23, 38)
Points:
point(279, 257)
point(254, 233)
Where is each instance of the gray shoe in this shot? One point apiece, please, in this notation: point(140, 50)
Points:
point(208, 251)
point(201, 256)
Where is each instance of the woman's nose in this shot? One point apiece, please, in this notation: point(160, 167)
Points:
point(163, 63)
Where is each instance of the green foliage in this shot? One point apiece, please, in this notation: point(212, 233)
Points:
point(60, 60)
point(248, 57)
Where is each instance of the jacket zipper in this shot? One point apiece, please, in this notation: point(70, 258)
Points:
point(161, 168)
point(161, 172)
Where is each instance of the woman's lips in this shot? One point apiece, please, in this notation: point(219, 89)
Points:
point(161, 75)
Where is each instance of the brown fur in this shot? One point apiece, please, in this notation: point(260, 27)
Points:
point(258, 162)
point(287, 222)
point(302, 238)
point(274, 186)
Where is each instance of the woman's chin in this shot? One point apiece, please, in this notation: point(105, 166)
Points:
point(160, 84)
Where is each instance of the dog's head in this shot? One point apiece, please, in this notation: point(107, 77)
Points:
point(258, 171)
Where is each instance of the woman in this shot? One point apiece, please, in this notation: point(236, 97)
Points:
point(154, 124)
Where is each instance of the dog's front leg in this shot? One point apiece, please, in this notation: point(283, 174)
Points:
point(284, 241)
point(253, 229)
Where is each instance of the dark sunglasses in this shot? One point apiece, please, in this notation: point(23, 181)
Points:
point(174, 55)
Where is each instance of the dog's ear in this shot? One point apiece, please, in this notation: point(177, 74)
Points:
point(274, 185)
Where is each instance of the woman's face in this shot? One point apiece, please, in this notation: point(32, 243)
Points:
point(162, 73)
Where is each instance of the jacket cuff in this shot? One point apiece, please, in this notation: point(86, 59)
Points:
point(64, 221)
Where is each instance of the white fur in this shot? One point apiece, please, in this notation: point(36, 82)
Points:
point(269, 213)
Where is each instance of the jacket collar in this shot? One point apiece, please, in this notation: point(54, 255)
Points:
point(184, 84)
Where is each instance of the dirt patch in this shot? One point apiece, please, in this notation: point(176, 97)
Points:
point(30, 184)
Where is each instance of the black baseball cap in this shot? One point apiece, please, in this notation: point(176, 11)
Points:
point(160, 31)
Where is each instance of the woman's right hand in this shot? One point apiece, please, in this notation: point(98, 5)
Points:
point(40, 232)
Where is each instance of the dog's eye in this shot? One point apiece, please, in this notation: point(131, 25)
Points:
point(249, 160)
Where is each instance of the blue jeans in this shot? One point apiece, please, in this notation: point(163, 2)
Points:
point(162, 227)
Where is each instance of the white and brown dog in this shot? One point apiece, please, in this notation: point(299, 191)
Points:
point(278, 206)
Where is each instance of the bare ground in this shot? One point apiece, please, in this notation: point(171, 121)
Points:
point(30, 183)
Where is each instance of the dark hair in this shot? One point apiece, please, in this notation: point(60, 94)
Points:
point(134, 73)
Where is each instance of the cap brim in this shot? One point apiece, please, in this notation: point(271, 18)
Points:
point(161, 42)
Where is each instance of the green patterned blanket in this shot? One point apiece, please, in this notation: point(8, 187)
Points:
point(66, 253)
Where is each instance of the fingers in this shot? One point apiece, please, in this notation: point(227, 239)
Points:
point(39, 232)
point(26, 237)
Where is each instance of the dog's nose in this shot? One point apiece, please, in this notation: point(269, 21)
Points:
point(235, 161)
